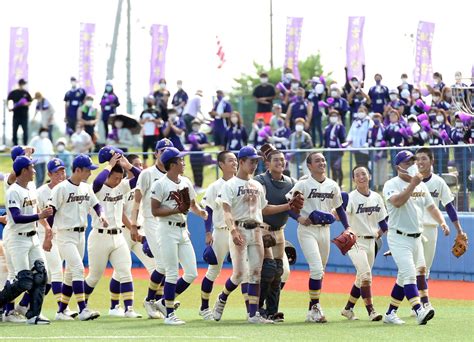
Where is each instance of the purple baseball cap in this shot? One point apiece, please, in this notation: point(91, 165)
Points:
point(22, 162)
point(106, 153)
point(55, 164)
point(170, 153)
point(248, 152)
point(83, 161)
point(17, 151)
point(403, 156)
point(163, 143)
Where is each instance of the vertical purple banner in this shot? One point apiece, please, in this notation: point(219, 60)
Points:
point(355, 54)
point(159, 43)
point(292, 47)
point(85, 57)
point(423, 73)
point(18, 66)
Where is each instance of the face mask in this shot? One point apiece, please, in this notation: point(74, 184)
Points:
point(300, 98)
point(377, 82)
point(404, 80)
point(458, 78)
point(108, 89)
point(180, 86)
point(333, 119)
point(440, 118)
point(43, 135)
point(118, 124)
point(195, 128)
point(412, 170)
point(289, 76)
point(459, 124)
point(448, 95)
point(89, 103)
point(361, 115)
point(60, 148)
point(294, 86)
point(264, 80)
point(414, 127)
point(259, 124)
point(234, 120)
point(172, 117)
point(355, 83)
point(436, 81)
point(416, 96)
point(435, 98)
point(220, 97)
point(162, 85)
point(376, 122)
point(393, 97)
point(334, 93)
point(73, 85)
point(299, 128)
point(280, 123)
point(319, 89)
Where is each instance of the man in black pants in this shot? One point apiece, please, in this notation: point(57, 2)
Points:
point(21, 99)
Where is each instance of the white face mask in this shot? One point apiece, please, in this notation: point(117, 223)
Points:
point(89, 103)
point(435, 98)
point(414, 127)
point(172, 117)
point(73, 85)
point(195, 128)
point(289, 76)
point(393, 97)
point(299, 128)
point(43, 135)
point(459, 124)
point(118, 124)
point(234, 120)
point(440, 118)
point(333, 119)
point(404, 80)
point(416, 96)
point(412, 170)
point(60, 148)
point(361, 115)
point(334, 93)
point(264, 80)
point(319, 88)
point(180, 86)
point(162, 85)
point(294, 86)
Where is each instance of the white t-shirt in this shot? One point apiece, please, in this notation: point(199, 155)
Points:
point(128, 201)
point(246, 199)
point(72, 203)
point(144, 183)
point(149, 127)
point(210, 200)
point(440, 192)
point(43, 148)
point(80, 141)
point(111, 200)
point(409, 217)
point(323, 196)
point(26, 200)
point(365, 212)
point(161, 191)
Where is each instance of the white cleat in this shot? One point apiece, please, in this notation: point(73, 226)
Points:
point(116, 312)
point(423, 315)
point(349, 314)
point(172, 319)
point(13, 317)
point(88, 315)
point(392, 318)
point(152, 310)
point(428, 306)
point(257, 319)
point(316, 314)
point(160, 307)
point(374, 316)
point(39, 320)
point(61, 316)
point(130, 313)
point(71, 313)
point(22, 310)
point(218, 309)
point(206, 314)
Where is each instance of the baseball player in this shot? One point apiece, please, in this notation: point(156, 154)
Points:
point(71, 201)
point(407, 197)
point(173, 236)
point(24, 246)
point(276, 186)
point(440, 193)
point(321, 194)
point(243, 201)
point(108, 244)
point(367, 215)
point(142, 205)
point(217, 238)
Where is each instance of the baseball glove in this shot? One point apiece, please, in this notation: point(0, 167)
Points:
point(460, 245)
point(345, 241)
point(268, 241)
point(290, 252)
point(146, 248)
point(297, 202)
point(182, 199)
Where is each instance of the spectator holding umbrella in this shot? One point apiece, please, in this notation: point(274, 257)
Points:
point(221, 113)
point(120, 136)
point(19, 101)
point(73, 100)
point(198, 141)
point(236, 135)
point(334, 137)
point(180, 98)
point(46, 111)
point(108, 105)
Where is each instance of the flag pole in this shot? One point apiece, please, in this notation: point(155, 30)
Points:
point(271, 34)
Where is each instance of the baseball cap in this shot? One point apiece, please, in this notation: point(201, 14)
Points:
point(403, 156)
point(73, 78)
point(55, 164)
point(83, 161)
point(22, 162)
point(106, 153)
point(209, 256)
point(248, 152)
point(163, 143)
point(17, 151)
point(170, 153)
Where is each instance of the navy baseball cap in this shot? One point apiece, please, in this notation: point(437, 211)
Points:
point(83, 161)
point(248, 152)
point(163, 143)
point(107, 152)
point(403, 156)
point(17, 151)
point(209, 256)
point(170, 153)
point(22, 162)
point(55, 164)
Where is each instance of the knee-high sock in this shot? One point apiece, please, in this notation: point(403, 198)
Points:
point(78, 289)
point(87, 290)
point(155, 281)
point(181, 286)
point(206, 289)
point(422, 285)
point(253, 299)
point(160, 291)
point(397, 296)
point(353, 297)
point(126, 289)
point(114, 288)
point(66, 293)
point(366, 294)
point(411, 292)
point(244, 288)
point(47, 288)
point(169, 293)
point(314, 291)
point(56, 288)
point(228, 288)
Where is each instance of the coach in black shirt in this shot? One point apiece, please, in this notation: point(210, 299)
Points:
point(264, 94)
point(21, 101)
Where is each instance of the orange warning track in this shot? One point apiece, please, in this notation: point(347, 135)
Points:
point(342, 283)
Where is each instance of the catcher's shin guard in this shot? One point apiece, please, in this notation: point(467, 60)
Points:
point(24, 282)
point(268, 274)
point(40, 277)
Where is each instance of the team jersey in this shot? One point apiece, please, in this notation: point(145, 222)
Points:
point(440, 193)
point(72, 203)
point(246, 199)
point(145, 181)
point(409, 217)
point(365, 212)
point(322, 196)
point(162, 191)
point(111, 200)
point(210, 200)
point(128, 206)
point(26, 200)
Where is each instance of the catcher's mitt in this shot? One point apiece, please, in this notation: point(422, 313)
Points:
point(297, 202)
point(345, 241)
point(183, 201)
point(460, 245)
point(268, 241)
point(146, 248)
point(290, 252)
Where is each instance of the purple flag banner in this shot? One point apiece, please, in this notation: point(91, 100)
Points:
point(86, 48)
point(159, 43)
point(423, 73)
point(292, 47)
point(18, 56)
point(355, 54)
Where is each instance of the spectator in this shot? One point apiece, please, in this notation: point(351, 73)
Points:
point(447, 98)
point(88, 116)
point(277, 115)
point(19, 101)
point(108, 105)
point(281, 136)
point(352, 83)
point(334, 137)
point(299, 140)
point(378, 157)
point(339, 104)
point(462, 134)
point(260, 134)
point(404, 85)
point(63, 154)
point(174, 128)
point(395, 101)
point(394, 134)
point(221, 113)
point(120, 136)
point(440, 136)
point(416, 106)
point(264, 94)
point(379, 95)
point(461, 94)
point(358, 134)
point(438, 83)
point(284, 87)
point(180, 99)
point(357, 98)
point(437, 101)
point(300, 108)
point(191, 110)
point(417, 133)
point(43, 151)
point(46, 111)
point(81, 141)
point(162, 95)
point(315, 96)
point(198, 141)
point(236, 135)
point(73, 100)
point(151, 122)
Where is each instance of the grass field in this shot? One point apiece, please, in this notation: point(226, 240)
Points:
point(453, 321)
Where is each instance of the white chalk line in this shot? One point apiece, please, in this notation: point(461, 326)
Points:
point(82, 337)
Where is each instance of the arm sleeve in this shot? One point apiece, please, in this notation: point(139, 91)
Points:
point(136, 173)
point(208, 222)
point(383, 225)
point(452, 213)
point(19, 218)
point(98, 209)
point(293, 215)
point(342, 217)
point(100, 180)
